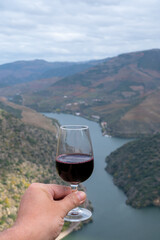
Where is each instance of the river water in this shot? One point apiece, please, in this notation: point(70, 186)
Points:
point(112, 218)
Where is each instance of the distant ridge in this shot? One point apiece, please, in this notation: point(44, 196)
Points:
point(25, 71)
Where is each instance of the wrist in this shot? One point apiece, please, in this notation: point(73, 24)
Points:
point(13, 233)
point(16, 232)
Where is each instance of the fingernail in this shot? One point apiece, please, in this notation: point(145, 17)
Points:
point(81, 195)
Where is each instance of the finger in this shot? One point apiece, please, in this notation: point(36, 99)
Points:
point(71, 201)
point(57, 191)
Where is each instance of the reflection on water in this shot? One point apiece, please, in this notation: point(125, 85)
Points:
point(112, 218)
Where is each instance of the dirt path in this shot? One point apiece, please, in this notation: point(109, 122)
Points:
point(68, 231)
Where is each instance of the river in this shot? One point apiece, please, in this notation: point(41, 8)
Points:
point(112, 218)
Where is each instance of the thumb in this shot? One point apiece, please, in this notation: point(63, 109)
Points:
point(72, 200)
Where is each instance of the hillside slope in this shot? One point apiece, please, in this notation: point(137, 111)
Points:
point(27, 155)
point(29, 116)
point(136, 170)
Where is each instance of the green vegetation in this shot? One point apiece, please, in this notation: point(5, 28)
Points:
point(27, 155)
point(136, 170)
point(17, 99)
point(16, 112)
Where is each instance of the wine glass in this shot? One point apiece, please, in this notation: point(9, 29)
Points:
point(74, 162)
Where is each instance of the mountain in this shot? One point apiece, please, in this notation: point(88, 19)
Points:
point(136, 170)
point(122, 91)
point(27, 71)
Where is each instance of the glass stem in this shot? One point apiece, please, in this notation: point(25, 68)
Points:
point(74, 211)
point(74, 187)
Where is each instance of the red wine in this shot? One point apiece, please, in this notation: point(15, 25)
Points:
point(74, 168)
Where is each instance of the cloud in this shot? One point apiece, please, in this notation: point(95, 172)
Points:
point(60, 30)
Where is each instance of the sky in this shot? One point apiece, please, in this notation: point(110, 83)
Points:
point(76, 30)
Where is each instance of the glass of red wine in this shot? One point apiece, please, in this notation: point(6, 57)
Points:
point(74, 162)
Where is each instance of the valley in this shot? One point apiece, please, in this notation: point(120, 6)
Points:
point(114, 90)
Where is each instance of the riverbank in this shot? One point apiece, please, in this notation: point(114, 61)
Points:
point(135, 169)
point(73, 227)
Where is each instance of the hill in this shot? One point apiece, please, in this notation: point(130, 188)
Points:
point(122, 91)
point(26, 156)
point(29, 116)
point(136, 170)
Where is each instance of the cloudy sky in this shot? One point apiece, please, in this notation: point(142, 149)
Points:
point(76, 30)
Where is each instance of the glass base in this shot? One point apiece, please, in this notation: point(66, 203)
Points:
point(78, 215)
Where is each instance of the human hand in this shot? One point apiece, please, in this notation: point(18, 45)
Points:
point(42, 209)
